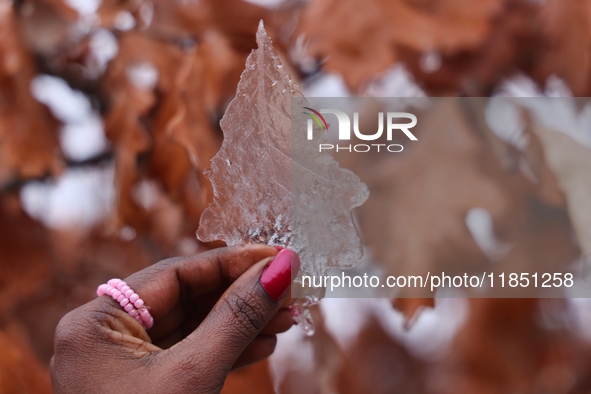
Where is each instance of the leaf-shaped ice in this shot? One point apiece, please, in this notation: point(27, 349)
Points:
point(260, 182)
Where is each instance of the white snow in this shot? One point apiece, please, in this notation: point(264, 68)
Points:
point(146, 193)
point(84, 7)
point(124, 21)
point(327, 85)
point(267, 3)
point(103, 48)
point(480, 223)
point(65, 103)
point(558, 114)
point(143, 75)
point(82, 135)
point(79, 199)
point(396, 81)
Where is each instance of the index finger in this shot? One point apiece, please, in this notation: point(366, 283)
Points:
point(164, 285)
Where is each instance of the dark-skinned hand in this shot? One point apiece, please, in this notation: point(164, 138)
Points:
point(213, 312)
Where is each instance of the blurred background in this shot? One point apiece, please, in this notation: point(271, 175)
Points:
point(109, 113)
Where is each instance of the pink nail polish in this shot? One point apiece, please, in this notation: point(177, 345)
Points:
point(277, 277)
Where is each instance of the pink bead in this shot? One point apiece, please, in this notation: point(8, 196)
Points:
point(145, 314)
point(150, 323)
point(129, 301)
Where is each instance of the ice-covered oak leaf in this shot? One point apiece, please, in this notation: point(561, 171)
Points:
point(260, 183)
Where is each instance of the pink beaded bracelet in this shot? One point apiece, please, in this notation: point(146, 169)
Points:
point(129, 301)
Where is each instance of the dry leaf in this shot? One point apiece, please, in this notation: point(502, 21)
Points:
point(415, 216)
point(253, 379)
point(129, 99)
point(378, 364)
point(25, 264)
point(512, 42)
point(174, 98)
point(28, 134)
point(361, 39)
point(566, 29)
point(20, 370)
point(46, 25)
point(206, 82)
point(503, 347)
point(236, 20)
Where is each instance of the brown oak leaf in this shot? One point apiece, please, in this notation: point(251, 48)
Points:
point(360, 39)
point(29, 146)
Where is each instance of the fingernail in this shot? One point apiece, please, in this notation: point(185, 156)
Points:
point(279, 248)
point(277, 277)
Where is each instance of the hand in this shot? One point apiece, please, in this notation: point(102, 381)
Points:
point(211, 314)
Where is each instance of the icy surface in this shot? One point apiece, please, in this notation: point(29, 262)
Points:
point(323, 195)
point(251, 172)
point(268, 191)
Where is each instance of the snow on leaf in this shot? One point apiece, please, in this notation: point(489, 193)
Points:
point(257, 182)
point(570, 162)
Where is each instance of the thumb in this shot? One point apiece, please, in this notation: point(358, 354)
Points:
point(241, 313)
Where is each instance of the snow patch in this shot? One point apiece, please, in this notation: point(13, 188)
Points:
point(79, 199)
point(84, 7)
point(481, 226)
point(428, 338)
point(82, 135)
point(124, 21)
point(142, 75)
point(103, 48)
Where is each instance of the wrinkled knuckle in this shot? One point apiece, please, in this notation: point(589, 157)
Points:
point(248, 312)
point(63, 333)
point(68, 334)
